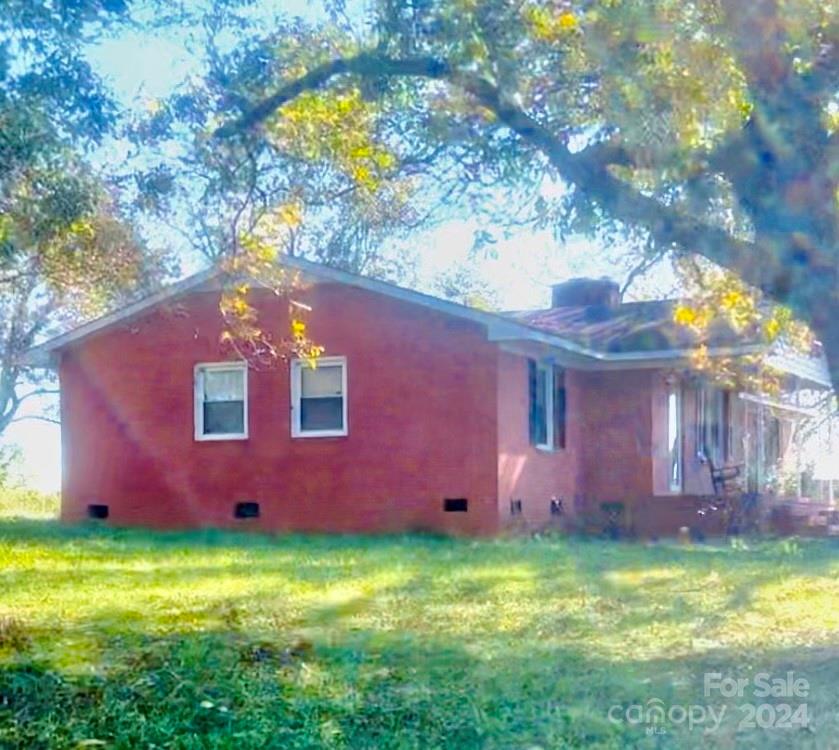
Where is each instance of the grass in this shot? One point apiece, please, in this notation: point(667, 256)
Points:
point(128, 639)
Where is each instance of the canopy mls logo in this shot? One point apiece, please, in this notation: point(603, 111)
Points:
point(787, 713)
point(655, 716)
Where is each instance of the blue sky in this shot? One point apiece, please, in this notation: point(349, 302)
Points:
point(141, 67)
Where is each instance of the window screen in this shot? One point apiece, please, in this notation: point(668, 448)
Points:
point(321, 398)
point(538, 396)
point(560, 407)
point(674, 437)
point(222, 400)
point(713, 424)
point(547, 404)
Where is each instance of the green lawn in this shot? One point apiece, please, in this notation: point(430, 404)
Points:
point(113, 638)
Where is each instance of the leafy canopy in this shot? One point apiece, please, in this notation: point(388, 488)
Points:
point(703, 127)
point(67, 249)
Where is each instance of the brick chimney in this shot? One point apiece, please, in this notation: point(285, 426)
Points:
point(584, 292)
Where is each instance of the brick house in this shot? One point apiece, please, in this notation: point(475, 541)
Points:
point(422, 415)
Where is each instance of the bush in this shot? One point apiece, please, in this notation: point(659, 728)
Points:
point(26, 502)
point(10, 460)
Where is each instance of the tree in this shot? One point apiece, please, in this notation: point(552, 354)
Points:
point(67, 249)
point(461, 283)
point(706, 127)
point(10, 459)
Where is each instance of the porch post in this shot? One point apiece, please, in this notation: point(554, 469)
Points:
point(799, 485)
point(830, 449)
point(761, 447)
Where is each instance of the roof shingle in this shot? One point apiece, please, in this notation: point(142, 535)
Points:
point(628, 327)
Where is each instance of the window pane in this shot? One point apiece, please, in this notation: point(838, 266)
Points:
point(224, 385)
point(674, 438)
point(542, 406)
point(726, 425)
point(717, 428)
point(324, 380)
point(224, 417)
point(538, 377)
point(559, 407)
point(531, 401)
point(321, 413)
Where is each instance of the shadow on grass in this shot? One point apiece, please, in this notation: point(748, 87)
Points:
point(388, 642)
point(368, 690)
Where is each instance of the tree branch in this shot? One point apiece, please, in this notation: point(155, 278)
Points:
point(36, 418)
point(639, 270)
point(38, 392)
point(365, 64)
point(588, 170)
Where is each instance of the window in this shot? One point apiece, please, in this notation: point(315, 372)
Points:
point(713, 424)
point(674, 437)
point(319, 398)
point(772, 442)
point(559, 407)
point(727, 429)
point(221, 390)
point(546, 386)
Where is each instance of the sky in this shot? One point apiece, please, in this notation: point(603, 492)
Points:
point(140, 67)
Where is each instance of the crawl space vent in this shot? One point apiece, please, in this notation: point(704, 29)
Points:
point(455, 505)
point(246, 510)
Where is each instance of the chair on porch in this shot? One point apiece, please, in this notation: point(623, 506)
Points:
point(726, 480)
point(738, 509)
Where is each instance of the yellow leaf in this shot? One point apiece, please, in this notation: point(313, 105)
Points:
point(684, 316)
point(773, 328)
point(567, 21)
point(298, 327)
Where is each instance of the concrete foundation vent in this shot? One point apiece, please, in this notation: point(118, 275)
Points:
point(455, 505)
point(97, 511)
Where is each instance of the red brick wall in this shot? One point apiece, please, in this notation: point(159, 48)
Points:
point(616, 436)
point(434, 411)
point(609, 455)
point(525, 472)
point(421, 413)
point(665, 515)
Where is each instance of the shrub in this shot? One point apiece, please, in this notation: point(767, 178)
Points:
point(27, 502)
point(13, 634)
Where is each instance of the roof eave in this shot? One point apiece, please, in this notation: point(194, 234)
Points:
point(45, 354)
point(499, 328)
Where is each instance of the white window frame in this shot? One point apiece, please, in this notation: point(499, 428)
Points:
point(297, 366)
point(198, 398)
point(675, 448)
point(550, 417)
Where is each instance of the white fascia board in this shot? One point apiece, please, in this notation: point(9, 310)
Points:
point(42, 355)
point(801, 411)
point(499, 328)
point(812, 369)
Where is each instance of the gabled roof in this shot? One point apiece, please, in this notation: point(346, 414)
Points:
point(211, 278)
point(639, 334)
